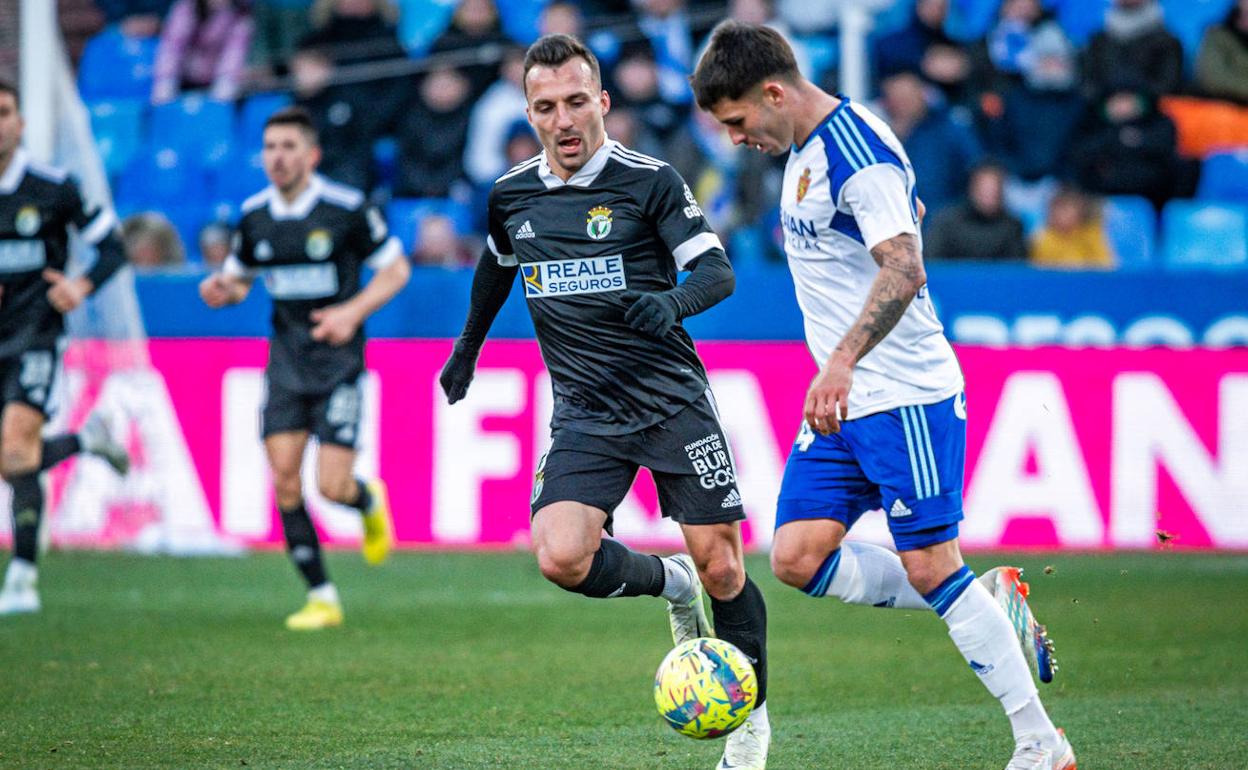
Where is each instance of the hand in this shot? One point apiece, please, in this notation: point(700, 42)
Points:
point(827, 401)
point(65, 293)
point(652, 312)
point(335, 324)
point(215, 291)
point(457, 374)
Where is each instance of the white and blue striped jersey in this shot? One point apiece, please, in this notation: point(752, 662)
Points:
point(848, 188)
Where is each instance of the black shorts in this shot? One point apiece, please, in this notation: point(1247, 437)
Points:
point(687, 454)
point(333, 417)
point(29, 377)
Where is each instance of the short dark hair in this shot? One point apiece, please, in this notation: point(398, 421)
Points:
point(739, 57)
point(555, 51)
point(297, 117)
point(9, 87)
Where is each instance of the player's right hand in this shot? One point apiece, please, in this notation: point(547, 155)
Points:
point(827, 401)
point(457, 374)
point(214, 291)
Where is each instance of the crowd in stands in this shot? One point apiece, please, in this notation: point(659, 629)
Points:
point(1055, 132)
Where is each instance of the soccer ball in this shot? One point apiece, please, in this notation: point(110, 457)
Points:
point(705, 688)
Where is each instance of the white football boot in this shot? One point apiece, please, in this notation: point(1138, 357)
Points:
point(688, 615)
point(1007, 587)
point(97, 439)
point(1032, 756)
point(746, 747)
point(19, 595)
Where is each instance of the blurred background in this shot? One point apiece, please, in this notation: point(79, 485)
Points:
point(1084, 164)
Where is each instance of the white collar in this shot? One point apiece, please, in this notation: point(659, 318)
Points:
point(16, 170)
point(585, 175)
point(300, 207)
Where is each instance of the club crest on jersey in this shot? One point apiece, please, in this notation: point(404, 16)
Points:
point(803, 184)
point(598, 225)
point(264, 251)
point(319, 245)
point(28, 221)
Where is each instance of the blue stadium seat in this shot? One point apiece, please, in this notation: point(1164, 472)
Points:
point(234, 182)
point(255, 111)
point(118, 129)
point(1131, 226)
point(421, 21)
point(1188, 19)
point(1224, 177)
point(114, 66)
point(1081, 18)
point(970, 20)
point(520, 18)
point(160, 179)
point(196, 126)
point(1199, 234)
point(404, 215)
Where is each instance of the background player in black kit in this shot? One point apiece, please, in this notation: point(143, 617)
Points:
point(311, 238)
point(597, 233)
point(38, 205)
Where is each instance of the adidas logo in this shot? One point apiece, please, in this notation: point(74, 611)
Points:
point(525, 231)
point(732, 500)
point(981, 668)
point(899, 510)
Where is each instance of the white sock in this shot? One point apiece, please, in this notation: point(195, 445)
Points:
point(759, 717)
point(874, 576)
point(21, 574)
point(677, 585)
point(986, 639)
point(325, 592)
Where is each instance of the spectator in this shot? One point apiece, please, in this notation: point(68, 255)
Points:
point(521, 144)
point(807, 18)
point(438, 245)
point(499, 108)
point(763, 12)
point(561, 18)
point(638, 86)
point(137, 18)
point(431, 136)
point(1073, 235)
point(980, 227)
point(203, 45)
point(1034, 108)
point(475, 29)
point(667, 26)
point(940, 147)
point(214, 244)
point(152, 242)
point(278, 26)
point(1134, 44)
point(1222, 66)
point(350, 32)
point(1129, 147)
point(923, 47)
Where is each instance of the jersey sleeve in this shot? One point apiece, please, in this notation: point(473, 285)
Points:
point(94, 223)
point(878, 199)
point(678, 218)
point(497, 240)
point(373, 239)
point(241, 263)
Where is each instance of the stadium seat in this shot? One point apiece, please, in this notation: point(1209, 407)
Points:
point(1131, 226)
point(115, 66)
point(1188, 19)
point(198, 127)
point(158, 180)
point(1224, 177)
point(234, 182)
point(118, 129)
point(1199, 234)
point(1081, 18)
point(404, 215)
point(520, 18)
point(254, 112)
point(1206, 126)
point(421, 21)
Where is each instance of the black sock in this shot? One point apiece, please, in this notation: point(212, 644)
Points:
point(618, 571)
point(363, 498)
point(303, 545)
point(743, 621)
point(59, 448)
point(27, 511)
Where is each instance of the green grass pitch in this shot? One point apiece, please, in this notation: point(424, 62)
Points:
point(472, 660)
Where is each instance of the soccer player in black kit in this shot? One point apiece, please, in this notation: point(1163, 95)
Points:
point(597, 233)
point(311, 238)
point(38, 205)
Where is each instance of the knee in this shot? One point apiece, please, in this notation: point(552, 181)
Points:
point(341, 491)
point(287, 488)
point(563, 566)
point(793, 566)
point(723, 577)
point(924, 577)
point(15, 463)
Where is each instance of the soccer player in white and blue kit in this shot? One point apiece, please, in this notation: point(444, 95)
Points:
point(885, 417)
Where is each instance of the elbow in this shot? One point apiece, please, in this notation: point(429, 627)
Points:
point(918, 278)
point(729, 286)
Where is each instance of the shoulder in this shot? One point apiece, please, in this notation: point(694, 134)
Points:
point(49, 173)
point(519, 173)
point(632, 159)
point(342, 196)
point(256, 202)
point(520, 180)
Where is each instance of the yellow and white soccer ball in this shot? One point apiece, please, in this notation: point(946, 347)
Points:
point(705, 688)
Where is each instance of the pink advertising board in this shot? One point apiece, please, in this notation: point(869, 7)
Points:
point(1088, 448)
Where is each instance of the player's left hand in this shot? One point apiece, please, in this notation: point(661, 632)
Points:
point(827, 401)
point(66, 293)
point(652, 312)
point(335, 325)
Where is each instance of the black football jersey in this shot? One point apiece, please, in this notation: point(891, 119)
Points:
point(311, 253)
point(38, 204)
point(623, 222)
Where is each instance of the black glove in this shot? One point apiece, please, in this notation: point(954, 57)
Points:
point(457, 373)
point(652, 313)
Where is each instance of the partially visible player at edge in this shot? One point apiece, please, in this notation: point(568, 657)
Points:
point(38, 205)
point(311, 238)
point(887, 404)
point(598, 232)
